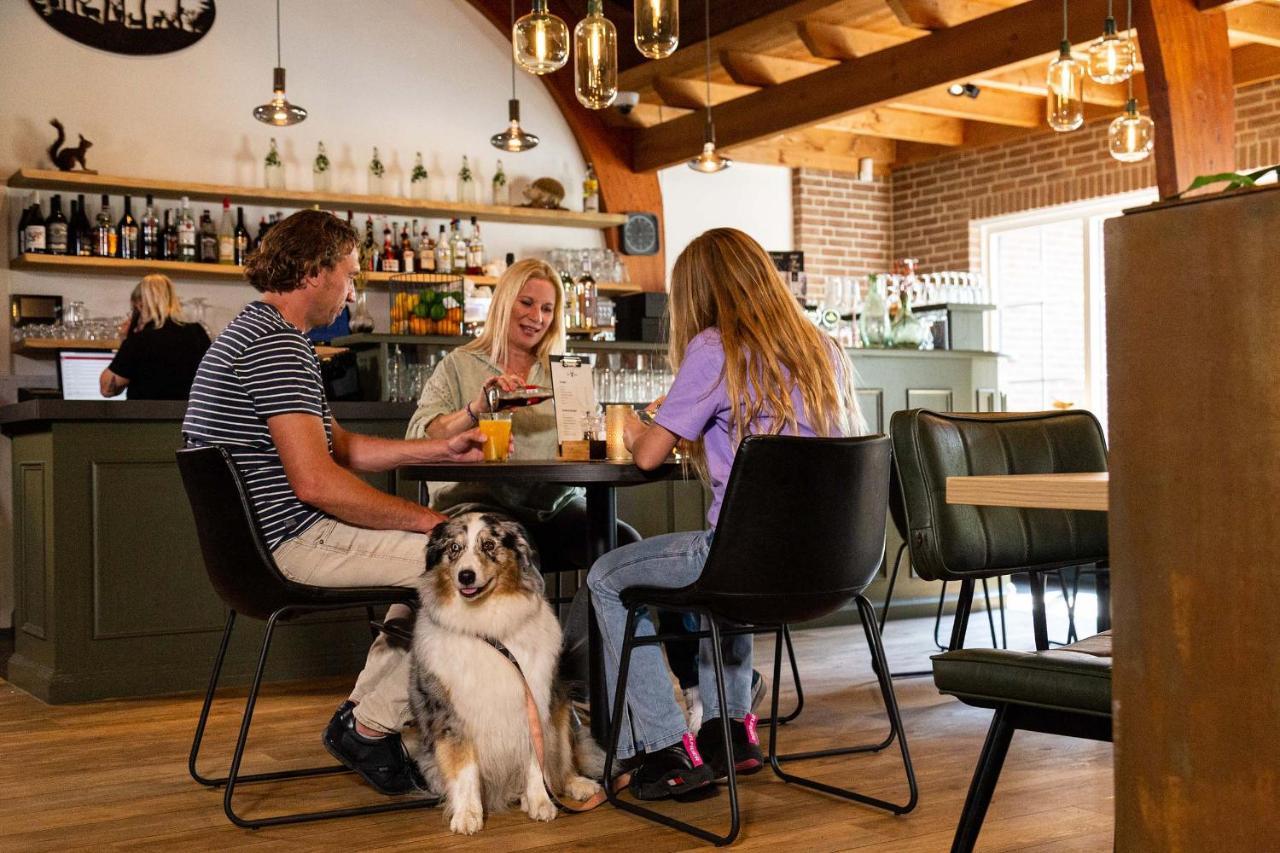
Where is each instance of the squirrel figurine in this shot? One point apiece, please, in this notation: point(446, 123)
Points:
point(67, 158)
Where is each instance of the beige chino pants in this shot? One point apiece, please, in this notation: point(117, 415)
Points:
point(333, 554)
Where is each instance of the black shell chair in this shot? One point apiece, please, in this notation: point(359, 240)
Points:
point(244, 574)
point(800, 535)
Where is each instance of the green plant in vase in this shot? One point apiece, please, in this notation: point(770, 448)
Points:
point(320, 171)
point(273, 168)
point(501, 189)
point(466, 182)
point(418, 179)
point(376, 172)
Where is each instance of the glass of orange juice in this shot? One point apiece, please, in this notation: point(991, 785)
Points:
point(496, 427)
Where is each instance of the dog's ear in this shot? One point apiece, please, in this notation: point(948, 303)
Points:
point(515, 539)
point(437, 541)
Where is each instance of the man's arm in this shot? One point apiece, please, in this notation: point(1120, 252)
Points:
point(110, 383)
point(317, 479)
point(372, 454)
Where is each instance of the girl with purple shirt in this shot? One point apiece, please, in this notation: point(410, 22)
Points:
point(748, 362)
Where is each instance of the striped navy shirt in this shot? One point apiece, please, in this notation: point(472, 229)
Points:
point(259, 367)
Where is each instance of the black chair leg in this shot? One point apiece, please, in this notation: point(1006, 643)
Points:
point(884, 614)
point(937, 617)
point(964, 605)
point(868, 616)
point(984, 781)
point(784, 633)
point(234, 778)
point(1102, 583)
point(1038, 619)
point(615, 733)
point(991, 616)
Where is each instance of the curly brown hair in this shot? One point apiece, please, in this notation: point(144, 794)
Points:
point(298, 247)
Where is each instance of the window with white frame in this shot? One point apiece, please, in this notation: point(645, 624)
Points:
point(1046, 275)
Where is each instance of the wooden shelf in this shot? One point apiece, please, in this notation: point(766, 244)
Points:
point(46, 346)
point(48, 179)
point(176, 269)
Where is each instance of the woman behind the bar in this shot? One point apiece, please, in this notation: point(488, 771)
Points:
point(161, 351)
point(748, 362)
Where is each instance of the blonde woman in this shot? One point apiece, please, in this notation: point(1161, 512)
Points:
point(747, 362)
point(158, 357)
point(524, 327)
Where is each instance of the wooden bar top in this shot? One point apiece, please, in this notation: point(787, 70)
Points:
point(1032, 491)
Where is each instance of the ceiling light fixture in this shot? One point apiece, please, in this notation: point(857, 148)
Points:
point(1065, 102)
point(540, 41)
point(595, 58)
point(657, 30)
point(968, 89)
point(278, 111)
point(514, 139)
point(1131, 137)
point(709, 161)
point(1111, 58)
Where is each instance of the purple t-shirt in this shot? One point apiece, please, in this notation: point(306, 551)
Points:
point(697, 406)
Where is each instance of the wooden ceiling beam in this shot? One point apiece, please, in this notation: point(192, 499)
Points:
point(642, 115)
point(760, 35)
point(1219, 5)
point(1257, 23)
point(833, 41)
point(940, 14)
point(890, 123)
point(691, 93)
point(1003, 38)
point(758, 69)
point(816, 148)
point(1031, 81)
point(991, 105)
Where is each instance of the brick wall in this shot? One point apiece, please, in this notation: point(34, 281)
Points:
point(841, 224)
point(927, 211)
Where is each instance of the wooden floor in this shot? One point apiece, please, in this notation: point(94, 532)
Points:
point(112, 775)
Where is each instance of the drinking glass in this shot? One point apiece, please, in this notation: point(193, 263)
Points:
point(496, 427)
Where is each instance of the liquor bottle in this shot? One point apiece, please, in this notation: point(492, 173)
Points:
point(149, 232)
point(444, 256)
point(586, 294)
point(475, 250)
point(262, 231)
point(501, 189)
point(226, 235)
point(186, 233)
point(407, 254)
point(82, 228)
point(208, 239)
point(591, 191)
point(457, 249)
point(419, 180)
point(241, 238)
point(369, 251)
point(168, 239)
point(390, 258)
point(104, 235)
point(426, 251)
point(73, 241)
point(23, 221)
point(127, 233)
point(55, 228)
point(37, 242)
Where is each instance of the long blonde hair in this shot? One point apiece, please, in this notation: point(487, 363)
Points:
point(156, 301)
point(493, 340)
point(724, 280)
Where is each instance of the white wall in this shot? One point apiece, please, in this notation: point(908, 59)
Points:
point(755, 199)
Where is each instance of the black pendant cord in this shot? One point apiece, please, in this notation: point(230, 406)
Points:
point(513, 50)
point(278, 65)
point(1128, 25)
point(1065, 36)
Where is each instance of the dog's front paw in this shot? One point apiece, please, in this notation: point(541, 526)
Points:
point(538, 806)
point(580, 788)
point(467, 819)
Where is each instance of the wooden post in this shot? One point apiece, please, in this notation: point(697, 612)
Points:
point(608, 149)
point(1187, 60)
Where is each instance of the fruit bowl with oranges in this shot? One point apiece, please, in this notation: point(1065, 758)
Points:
point(426, 304)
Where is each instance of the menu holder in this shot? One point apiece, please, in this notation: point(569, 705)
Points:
point(575, 394)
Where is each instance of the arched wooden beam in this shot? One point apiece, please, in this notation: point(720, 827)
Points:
point(608, 149)
point(1189, 86)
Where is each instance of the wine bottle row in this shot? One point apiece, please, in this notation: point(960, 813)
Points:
point(178, 237)
point(450, 252)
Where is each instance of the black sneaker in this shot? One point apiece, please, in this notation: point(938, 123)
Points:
point(382, 762)
point(748, 758)
point(676, 772)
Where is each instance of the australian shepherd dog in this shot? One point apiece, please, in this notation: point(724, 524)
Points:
point(483, 581)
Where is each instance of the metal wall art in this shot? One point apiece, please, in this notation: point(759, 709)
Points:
point(136, 27)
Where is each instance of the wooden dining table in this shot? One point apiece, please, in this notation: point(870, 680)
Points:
point(1032, 491)
point(600, 479)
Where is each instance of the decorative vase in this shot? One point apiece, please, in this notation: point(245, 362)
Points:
point(273, 168)
point(875, 314)
point(419, 180)
point(320, 170)
point(376, 173)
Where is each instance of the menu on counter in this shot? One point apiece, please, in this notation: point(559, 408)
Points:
point(575, 394)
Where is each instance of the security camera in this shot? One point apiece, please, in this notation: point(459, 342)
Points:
point(626, 102)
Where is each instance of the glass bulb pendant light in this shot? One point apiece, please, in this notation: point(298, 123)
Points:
point(1132, 135)
point(514, 139)
point(1065, 104)
point(657, 31)
point(595, 58)
point(540, 41)
point(278, 111)
point(709, 161)
point(1111, 58)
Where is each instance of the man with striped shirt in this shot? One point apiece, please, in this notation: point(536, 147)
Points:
point(259, 394)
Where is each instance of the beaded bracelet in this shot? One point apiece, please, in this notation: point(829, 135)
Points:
point(474, 419)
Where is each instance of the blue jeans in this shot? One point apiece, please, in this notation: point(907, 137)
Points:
point(652, 719)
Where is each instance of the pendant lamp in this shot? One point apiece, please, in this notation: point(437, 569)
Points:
point(1111, 58)
point(595, 58)
point(657, 30)
point(540, 41)
point(1065, 103)
point(514, 139)
point(1131, 137)
point(709, 161)
point(278, 111)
